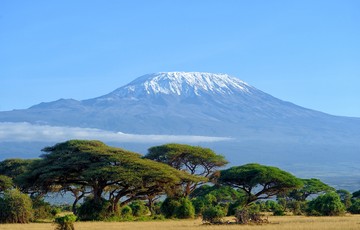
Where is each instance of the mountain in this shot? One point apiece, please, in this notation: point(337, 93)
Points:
point(263, 128)
point(188, 103)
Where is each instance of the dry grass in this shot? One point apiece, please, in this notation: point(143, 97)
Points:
point(350, 222)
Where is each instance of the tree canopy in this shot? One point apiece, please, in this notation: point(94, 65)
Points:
point(94, 166)
point(311, 187)
point(195, 160)
point(259, 181)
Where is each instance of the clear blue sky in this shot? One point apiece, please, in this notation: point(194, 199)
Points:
point(304, 51)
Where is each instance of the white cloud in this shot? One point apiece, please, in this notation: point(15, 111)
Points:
point(19, 132)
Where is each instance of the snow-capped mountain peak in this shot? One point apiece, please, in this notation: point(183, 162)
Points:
point(183, 84)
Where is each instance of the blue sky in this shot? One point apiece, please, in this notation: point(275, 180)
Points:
point(306, 52)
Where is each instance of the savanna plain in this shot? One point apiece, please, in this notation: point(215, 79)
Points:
point(348, 222)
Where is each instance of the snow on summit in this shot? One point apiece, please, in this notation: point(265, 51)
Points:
point(184, 84)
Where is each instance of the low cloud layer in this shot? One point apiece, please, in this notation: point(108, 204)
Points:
point(19, 132)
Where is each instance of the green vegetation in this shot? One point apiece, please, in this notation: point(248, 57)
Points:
point(259, 181)
point(114, 184)
point(16, 207)
point(65, 222)
point(328, 204)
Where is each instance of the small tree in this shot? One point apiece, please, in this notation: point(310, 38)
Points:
point(16, 207)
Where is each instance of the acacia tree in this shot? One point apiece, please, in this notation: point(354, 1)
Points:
point(310, 187)
point(259, 181)
point(101, 169)
point(193, 159)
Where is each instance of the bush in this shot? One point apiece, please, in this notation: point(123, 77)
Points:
point(126, 212)
point(199, 205)
point(138, 208)
point(42, 209)
point(355, 207)
point(328, 204)
point(185, 210)
point(92, 210)
point(65, 222)
point(248, 214)
point(213, 215)
point(16, 207)
point(169, 206)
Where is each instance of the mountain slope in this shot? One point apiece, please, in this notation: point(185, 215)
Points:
point(190, 103)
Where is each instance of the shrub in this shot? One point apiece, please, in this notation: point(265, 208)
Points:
point(213, 215)
point(65, 222)
point(185, 210)
point(355, 207)
point(126, 212)
point(248, 214)
point(94, 210)
point(328, 204)
point(169, 206)
point(42, 209)
point(138, 208)
point(16, 207)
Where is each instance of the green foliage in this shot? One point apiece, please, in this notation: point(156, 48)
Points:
point(181, 208)
point(328, 204)
point(199, 205)
point(222, 194)
point(234, 206)
point(248, 214)
point(16, 207)
point(93, 209)
point(272, 206)
point(311, 187)
point(355, 207)
point(193, 159)
point(345, 197)
point(14, 167)
point(356, 194)
point(169, 206)
point(185, 210)
point(126, 212)
point(268, 181)
point(65, 222)
point(213, 215)
point(206, 196)
point(42, 209)
point(92, 164)
point(5, 183)
point(138, 208)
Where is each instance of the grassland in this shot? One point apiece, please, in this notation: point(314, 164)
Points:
point(350, 222)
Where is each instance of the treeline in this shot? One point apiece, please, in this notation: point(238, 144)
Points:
point(170, 181)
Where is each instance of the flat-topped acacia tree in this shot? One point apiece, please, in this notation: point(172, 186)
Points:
point(195, 160)
point(101, 169)
point(259, 181)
